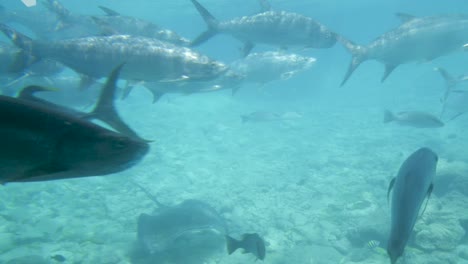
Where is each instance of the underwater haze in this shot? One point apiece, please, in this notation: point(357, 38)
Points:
point(281, 145)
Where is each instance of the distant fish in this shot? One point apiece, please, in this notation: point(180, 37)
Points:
point(277, 28)
point(372, 244)
point(453, 98)
point(411, 186)
point(58, 258)
point(416, 39)
point(250, 243)
point(260, 116)
point(270, 66)
point(413, 119)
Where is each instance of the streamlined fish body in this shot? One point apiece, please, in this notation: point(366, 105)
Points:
point(412, 185)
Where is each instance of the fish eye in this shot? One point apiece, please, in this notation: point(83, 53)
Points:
point(120, 143)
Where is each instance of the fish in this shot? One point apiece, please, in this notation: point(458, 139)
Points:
point(278, 28)
point(453, 98)
point(145, 59)
point(42, 141)
point(250, 243)
point(230, 80)
point(189, 228)
point(416, 39)
point(260, 116)
point(69, 24)
point(372, 244)
point(115, 23)
point(270, 66)
point(58, 258)
point(411, 186)
point(413, 118)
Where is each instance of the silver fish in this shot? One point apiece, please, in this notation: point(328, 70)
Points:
point(413, 119)
point(411, 186)
point(277, 28)
point(116, 24)
point(416, 39)
point(271, 66)
point(145, 59)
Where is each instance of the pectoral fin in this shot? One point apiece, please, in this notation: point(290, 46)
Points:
point(429, 192)
point(390, 187)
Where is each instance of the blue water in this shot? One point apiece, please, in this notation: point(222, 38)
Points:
point(313, 187)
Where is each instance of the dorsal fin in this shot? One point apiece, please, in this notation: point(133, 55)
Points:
point(105, 110)
point(109, 12)
point(404, 17)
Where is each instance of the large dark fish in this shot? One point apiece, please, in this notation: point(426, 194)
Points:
point(145, 59)
point(42, 141)
point(116, 24)
point(250, 243)
point(416, 39)
point(410, 187)
point(277, 28)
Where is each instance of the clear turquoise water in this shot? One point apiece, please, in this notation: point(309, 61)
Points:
point(313, 187)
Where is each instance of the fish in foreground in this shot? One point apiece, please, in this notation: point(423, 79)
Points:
point(416, 39)
point(278, 28)
point(145, 59)
point(250, 243)
point(411, 186)
point(413, 119)
point(42, 141)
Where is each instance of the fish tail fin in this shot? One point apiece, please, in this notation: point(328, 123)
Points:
point(57, 8)
point(25, 57)
point(210, 21)
point(450, 81)
point(388, 116)
point(231, 244)
point(359, 55)
point(105, 109)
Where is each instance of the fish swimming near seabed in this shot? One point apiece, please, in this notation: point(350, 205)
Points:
point(145, 59)
point(279, 28)
point(413, 119)
point(42, 141)
point(188, 232)
point(250, 243)
point(411, 186)
point(416, 39)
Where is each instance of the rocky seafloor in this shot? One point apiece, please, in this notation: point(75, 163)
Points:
point(314, 187)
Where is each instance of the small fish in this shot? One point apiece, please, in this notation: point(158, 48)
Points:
point(373, 244)
point(250, 243)
point(260, 116)
point(413, 119)
point(58, 258)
